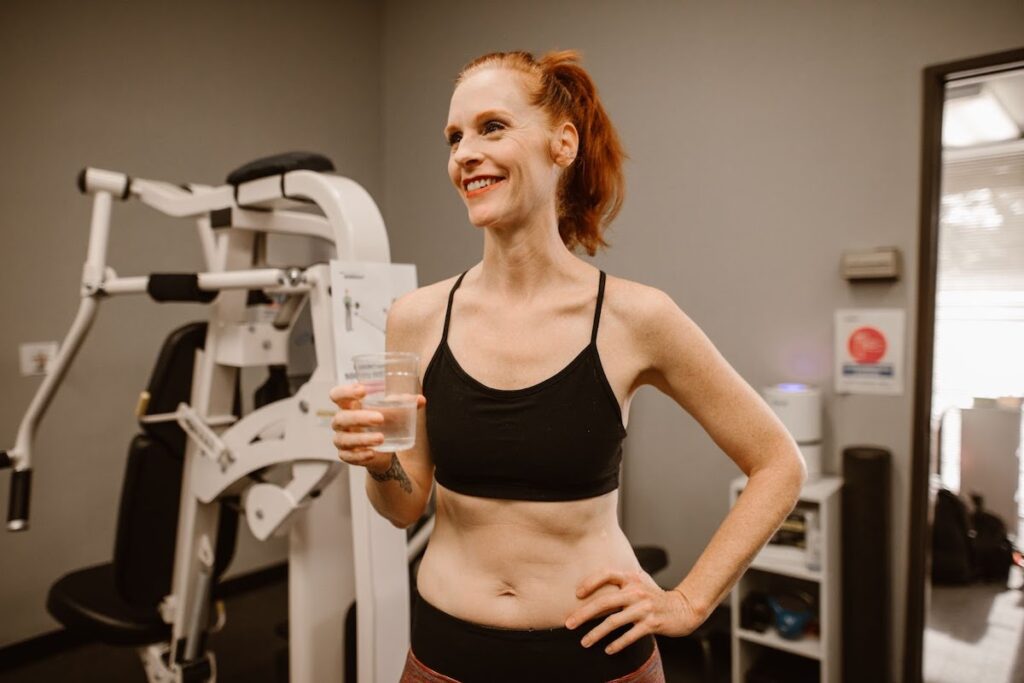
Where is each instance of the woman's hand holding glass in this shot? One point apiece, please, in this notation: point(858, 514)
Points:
point(357, 431)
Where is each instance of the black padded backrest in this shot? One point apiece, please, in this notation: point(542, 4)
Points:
point(147, 522)
point(170, 383)
point(275, 388)
point(150, 494)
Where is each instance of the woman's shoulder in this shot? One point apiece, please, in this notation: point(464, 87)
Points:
point(656, 327)
point(635, 303)
point(415, 312)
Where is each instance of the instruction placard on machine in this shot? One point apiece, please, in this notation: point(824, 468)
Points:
point(362, 294)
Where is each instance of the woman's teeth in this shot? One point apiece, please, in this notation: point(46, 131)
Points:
point(480, 183)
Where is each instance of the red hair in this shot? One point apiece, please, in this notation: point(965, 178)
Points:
point(591, 190)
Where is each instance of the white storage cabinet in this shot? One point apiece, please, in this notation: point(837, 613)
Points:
point(780, 568)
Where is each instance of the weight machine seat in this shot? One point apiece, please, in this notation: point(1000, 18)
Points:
point(86, 602)
point(117, 603)
point(279, 164)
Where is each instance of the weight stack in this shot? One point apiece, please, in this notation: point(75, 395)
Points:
point(866, 580)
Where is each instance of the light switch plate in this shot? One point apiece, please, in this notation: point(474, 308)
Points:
point(37, 357)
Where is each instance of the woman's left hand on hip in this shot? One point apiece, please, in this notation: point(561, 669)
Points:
point(638, 601)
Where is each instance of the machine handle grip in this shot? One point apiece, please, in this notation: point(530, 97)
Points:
point(17, 507)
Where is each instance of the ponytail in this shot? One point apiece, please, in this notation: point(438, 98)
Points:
point(591, 189)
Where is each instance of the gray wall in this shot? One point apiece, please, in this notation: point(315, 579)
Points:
point(765, 138)
point(180, 91)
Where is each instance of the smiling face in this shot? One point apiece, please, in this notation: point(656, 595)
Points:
point(505, 156)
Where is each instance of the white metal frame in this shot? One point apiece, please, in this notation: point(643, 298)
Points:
point(340, 550)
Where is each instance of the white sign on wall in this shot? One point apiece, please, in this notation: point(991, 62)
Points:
point(869, 351)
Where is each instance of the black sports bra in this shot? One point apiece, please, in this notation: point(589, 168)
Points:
point(557, 440)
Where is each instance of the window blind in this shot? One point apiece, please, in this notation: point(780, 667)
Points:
point(981, 226)
point(979, 314)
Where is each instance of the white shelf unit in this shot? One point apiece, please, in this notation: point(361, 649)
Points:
point(781, 568)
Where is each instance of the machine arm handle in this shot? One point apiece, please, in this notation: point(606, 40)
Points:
point(17, 508)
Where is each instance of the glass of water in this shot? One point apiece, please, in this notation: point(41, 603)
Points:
point(392, 383)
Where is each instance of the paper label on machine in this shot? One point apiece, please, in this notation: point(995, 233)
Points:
point(361, 295)
point(869, 351)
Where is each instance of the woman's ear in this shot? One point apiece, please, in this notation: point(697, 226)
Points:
point(565, 144)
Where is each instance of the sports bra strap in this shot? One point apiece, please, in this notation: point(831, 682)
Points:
point(597, 309)
point(448, 313)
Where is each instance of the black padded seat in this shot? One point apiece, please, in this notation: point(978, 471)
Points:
point(85, 601)
point(278, 164)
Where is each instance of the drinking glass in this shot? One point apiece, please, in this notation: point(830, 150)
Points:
point(392, 383)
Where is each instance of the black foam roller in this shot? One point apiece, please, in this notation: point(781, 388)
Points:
point(867, 609)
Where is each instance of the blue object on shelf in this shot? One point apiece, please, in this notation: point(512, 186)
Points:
point(792, 614)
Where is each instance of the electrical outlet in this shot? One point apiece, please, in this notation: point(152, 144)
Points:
point(37, 357)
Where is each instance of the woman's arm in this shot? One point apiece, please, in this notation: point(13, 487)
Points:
point(397, 484)
point(685, 365)
point(678, 359)
point(400, 491)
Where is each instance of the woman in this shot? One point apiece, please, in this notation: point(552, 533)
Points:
point(527, 575)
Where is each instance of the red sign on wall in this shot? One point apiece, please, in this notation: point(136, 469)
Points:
point(866, 344)
point(869, 351)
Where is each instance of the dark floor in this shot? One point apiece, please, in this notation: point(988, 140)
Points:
point(249, 651)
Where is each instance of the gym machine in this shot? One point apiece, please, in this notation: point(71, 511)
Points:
point(340, 551)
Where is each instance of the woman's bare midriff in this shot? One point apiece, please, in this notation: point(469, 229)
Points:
point(517, 564)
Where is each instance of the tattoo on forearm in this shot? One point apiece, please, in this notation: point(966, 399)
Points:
point(394, 471)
